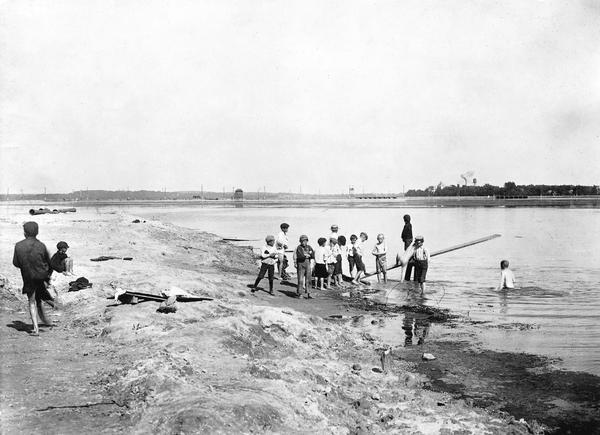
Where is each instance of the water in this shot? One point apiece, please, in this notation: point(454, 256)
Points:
point(554, 253)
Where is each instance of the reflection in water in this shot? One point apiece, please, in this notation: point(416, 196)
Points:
point(415, 326)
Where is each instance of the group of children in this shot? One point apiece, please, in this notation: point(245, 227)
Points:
point(323, 263)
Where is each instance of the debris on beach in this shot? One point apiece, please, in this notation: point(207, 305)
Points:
point(79, 284)
point(110, 257)
point(428, 357)
point(34, 212)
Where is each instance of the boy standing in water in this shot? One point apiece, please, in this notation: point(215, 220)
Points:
point(407, 238)
point(421, 259)
point(507, 277)
point(351, 262)
point(302, 257)
point(380, 251)
point(268, 254)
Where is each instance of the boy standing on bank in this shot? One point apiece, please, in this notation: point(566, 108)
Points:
point(380, 251)
point(281, 244)
point(33, 258)
point(268, 255)
point(302, 260)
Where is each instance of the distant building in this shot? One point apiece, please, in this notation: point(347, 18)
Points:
point(238, 195)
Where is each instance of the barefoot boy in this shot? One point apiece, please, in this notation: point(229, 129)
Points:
point(421, 259)
point(32, 257)
point(360, 265)
point(380, 251)
point(60, 262)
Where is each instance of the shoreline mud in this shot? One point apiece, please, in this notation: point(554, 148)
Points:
point(246, 363)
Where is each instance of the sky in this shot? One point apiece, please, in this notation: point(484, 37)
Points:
point(297, 95)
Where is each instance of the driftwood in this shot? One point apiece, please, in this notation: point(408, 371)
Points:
point(129, 297)
point(54, 211)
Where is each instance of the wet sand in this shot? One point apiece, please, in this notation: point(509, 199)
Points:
point(244, 362)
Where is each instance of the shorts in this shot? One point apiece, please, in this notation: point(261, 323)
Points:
point(351, 262)
point(360, 266)
point(39, 287)
point(337, 270)
point(321, 270)
point(421, 270)
point(380, 263)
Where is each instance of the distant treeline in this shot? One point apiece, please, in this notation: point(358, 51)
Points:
point(510, 189)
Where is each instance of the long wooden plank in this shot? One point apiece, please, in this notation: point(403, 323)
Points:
point(450, 249)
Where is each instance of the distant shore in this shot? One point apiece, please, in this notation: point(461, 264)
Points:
point(587, 201)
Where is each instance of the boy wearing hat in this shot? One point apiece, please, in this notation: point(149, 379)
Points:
point(421, 259)
point(60, 262)
point(302, 260)
point(268, 255)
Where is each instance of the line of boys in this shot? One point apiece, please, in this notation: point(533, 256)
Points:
point(327, 259)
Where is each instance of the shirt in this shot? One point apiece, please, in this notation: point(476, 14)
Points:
point(407, 232)
point(301, 254)
point(32, 257)
point(380, 249)
point(282, 241)
point(507, 279)
point(56, 262)
point(358, 247)
point(320, 255)
point(330, 257)
point(265, 254)
point(421, 254)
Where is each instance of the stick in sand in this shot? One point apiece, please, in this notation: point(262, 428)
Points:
point(404, 260)
point(231, 239)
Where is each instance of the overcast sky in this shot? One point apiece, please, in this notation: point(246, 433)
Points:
point(325, 94)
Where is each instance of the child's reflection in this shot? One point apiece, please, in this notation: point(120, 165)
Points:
point(415, 326)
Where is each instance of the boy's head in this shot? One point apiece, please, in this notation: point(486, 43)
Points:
point(504, 264)
point(364, 237)
point(30, 229)
point(270, 240)
point(333, 241)
point(342, 240)
point(334, 228)
point(322, 241)
point(303, 240)
point(407, 218)
point(380, 237)
point(419, 240)
point(284, 227)
point(62, 246)
point(353, 238)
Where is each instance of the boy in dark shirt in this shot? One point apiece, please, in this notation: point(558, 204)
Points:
point(60, 262)
point(407, 238)
point(303, 255)
point(32, 257)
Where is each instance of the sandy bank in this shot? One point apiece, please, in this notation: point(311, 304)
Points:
point(238, 364)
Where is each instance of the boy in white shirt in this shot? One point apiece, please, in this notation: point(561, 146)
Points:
point(281, 243)
point(360, 265)
point(507, 277)
point(268, 255)
point(320, 263)
point(380, 251)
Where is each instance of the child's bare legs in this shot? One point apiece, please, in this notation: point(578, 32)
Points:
point(358, 277)
point(41, 313)
point(33, 312)
point(422, 286)
point(385, 277)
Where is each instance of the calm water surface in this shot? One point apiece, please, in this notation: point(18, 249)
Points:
point(554, 253)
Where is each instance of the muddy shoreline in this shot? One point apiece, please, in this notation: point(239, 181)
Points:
point(521, 385)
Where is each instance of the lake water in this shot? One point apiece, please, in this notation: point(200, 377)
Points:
point(554, 253)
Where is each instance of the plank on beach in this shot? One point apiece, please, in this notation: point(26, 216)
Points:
point(450, 249)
